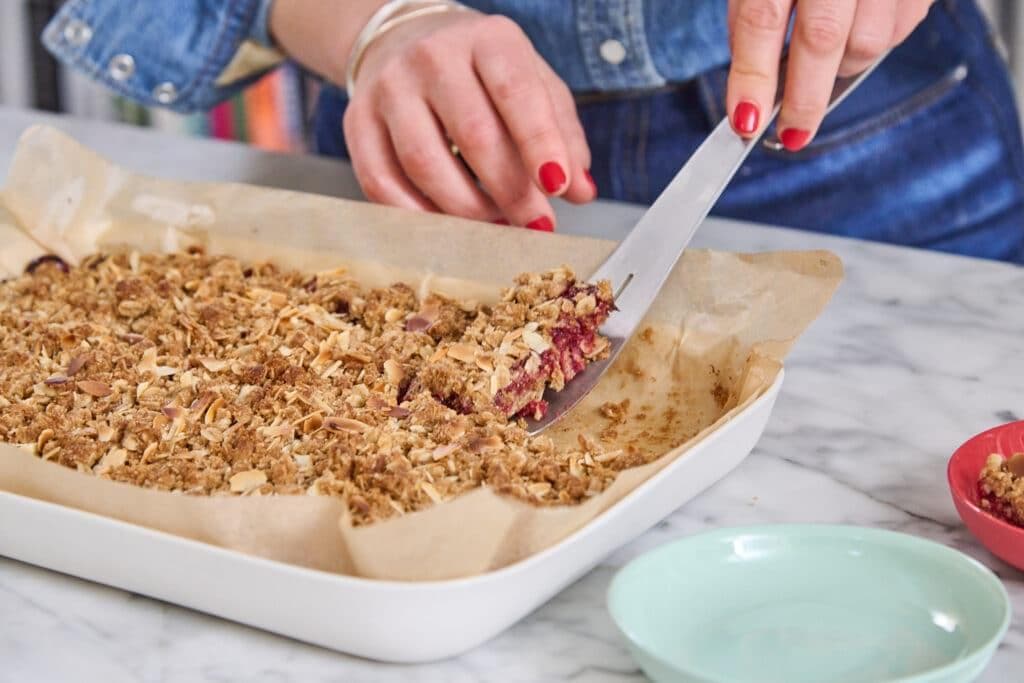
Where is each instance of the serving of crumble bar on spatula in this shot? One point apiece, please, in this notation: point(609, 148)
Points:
point(639, 266)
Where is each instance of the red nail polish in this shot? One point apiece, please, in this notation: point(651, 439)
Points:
point(794, 139)
point(745, 117)
point(501, 221)
point(590, 179)
point(544, 224)
point(552, 177)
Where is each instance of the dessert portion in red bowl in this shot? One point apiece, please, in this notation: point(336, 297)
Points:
point(1001, 487)
point(986, 481)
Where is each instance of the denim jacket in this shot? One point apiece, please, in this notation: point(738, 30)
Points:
point(189, 55)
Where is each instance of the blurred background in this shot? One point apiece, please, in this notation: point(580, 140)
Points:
point(272, 115)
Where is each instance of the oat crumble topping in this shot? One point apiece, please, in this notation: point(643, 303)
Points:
point(205, 375)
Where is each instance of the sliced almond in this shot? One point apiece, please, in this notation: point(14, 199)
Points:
point(586, 305)
point(479, 444)
point(214, 364)
point(77, 363)
point(485, 362)
point(202, 402)
point(173, 412)
point(535, 341)
point(276, 299)
point(104, 432)
point(147, 364)
point(94, 388)
point(459, 427)
point(399, 412)
point(442, 452)
point(420, 456)
point(538, 488)
point(55, 381)
point(393, 372)
point(418, 323)
point(431, 492)
point(131, 337)
point(115, 457)
point(345, 424)
point(211, 412)
point(243, 482)
point(285, 431)
point(500, 379)
point(312, 423)
point(147, 455)
point(44, 437)
point(462, 352)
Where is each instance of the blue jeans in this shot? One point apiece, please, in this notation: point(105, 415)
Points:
point(927, 153)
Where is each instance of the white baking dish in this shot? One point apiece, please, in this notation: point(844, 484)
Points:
point(385, 620)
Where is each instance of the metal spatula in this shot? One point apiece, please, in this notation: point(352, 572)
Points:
point(643, 261)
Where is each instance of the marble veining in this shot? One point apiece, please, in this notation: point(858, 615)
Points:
point(918, 352)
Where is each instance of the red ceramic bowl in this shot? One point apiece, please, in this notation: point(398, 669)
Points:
point(1003, 539)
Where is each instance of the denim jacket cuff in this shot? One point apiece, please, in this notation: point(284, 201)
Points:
point(173, 53)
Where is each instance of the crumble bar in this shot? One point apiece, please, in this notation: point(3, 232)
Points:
point(542, 333)
point(1001, 487)
point(204, 375)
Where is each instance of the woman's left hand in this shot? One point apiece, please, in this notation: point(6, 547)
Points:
point(830, 38)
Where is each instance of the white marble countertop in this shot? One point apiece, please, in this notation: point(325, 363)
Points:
point(918, 352)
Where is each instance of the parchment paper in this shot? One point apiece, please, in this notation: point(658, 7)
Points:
point(718, 334)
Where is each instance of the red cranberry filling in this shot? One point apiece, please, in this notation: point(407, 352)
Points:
point(997, 507)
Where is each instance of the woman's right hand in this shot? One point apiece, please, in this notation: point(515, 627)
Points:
point(477, 81)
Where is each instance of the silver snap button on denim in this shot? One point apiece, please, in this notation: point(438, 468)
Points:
point(121, 67)
point(613, 51)
point(165, 93)
point(77, 33)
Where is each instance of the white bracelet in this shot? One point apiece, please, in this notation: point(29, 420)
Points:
point(382, 21)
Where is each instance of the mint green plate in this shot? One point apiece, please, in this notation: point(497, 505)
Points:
point(809, 604)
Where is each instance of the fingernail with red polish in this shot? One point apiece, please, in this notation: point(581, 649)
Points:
point(501, 221)
point(746, 117)
point(552, 177)
point(590, 179)
point(544, 224)
point(794, 139)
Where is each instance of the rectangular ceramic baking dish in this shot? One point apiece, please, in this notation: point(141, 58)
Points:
point(384, 620)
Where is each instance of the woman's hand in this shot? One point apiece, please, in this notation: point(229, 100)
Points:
point(475, 81)
point(830, 38)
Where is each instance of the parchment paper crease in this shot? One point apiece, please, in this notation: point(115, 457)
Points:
point(720, 328)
